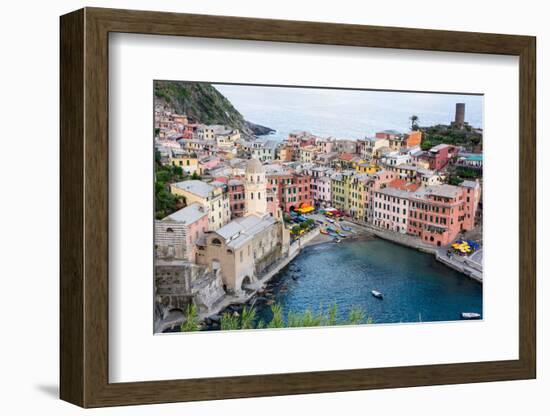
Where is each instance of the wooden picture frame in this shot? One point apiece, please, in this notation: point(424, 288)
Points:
point(84, 207)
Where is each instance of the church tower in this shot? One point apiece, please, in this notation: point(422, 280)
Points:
point(255, 187)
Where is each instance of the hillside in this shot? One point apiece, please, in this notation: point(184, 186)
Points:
point(202, 103)
point(469, 138)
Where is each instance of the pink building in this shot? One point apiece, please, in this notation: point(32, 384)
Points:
point(236, 197)
point(208, 163)
point(438, 156)
point(375, 182)
point(293, 190)
point(324, 145)
point(387, 134)
point(321, 193)
point(472, 196)
point(272, 202)
point(439, 213)
point(391, 209)
point(436, 214)
point(177, 234)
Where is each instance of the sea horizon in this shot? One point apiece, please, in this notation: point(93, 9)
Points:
point(345, 114)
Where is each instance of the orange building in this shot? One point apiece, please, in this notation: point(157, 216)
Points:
point(414, 138)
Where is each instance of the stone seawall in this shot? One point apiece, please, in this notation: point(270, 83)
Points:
point(465, 266)
point(293, 251)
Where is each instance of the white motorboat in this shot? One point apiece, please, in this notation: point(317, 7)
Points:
point(377, 294)
point(470, 315)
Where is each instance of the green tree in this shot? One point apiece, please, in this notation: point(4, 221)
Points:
point(310, 319)
point(229, 322)
point(414, 122)
point(454, 180)
point(277, 320)
point(191, 320)
point(248, 317)
point(356, 316)
point(331, 317)
point(426, 144)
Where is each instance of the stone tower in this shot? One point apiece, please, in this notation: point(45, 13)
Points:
point(459, 115)
point(255, 187)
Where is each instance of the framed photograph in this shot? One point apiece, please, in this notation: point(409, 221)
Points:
point(260, 207)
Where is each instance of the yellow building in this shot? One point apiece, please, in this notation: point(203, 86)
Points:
point(340, 189)
point(358, 196)
point(186, 162)
point(366, 167)
point(212, 196)
point(307, 154)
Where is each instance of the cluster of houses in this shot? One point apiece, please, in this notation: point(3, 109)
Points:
point(233, 220)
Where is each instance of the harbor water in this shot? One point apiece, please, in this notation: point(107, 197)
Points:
point(415, 287)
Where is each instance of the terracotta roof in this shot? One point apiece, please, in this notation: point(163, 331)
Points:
point(346, 156)
point(403, 185)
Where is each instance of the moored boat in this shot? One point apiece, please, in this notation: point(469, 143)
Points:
point(377, 294)
point(470, 315)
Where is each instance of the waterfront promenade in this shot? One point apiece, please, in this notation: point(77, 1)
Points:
point(470, 266)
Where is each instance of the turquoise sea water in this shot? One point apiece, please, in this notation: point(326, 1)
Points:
point(350, 114)
point(415, 286)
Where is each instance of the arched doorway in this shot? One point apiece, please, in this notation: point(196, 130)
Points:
point(246, 281)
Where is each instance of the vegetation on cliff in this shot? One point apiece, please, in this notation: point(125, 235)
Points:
point(203, 103)
point(469, 138)
point(247, 319)
point(165, 202)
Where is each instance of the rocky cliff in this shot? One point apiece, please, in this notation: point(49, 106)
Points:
point(203, 103)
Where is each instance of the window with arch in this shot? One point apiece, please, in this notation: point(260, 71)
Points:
point(216, 242)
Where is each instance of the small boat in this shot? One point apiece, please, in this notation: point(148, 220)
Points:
point(336, 240)
point(324, 232)
point(377, 294)
point(330, 220)
point(470, 315)
point(345, 228)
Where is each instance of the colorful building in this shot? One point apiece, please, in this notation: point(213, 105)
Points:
point(367, 167)
point(307, 154)
point(242, 250)
point(293, 190)
point(403, 141)
point(177, 234)
point(368, 148)
point(438, 156)
point(437, 214)
point(235, 188)
point(213, 196)
point(374, 183)
point(391, 209)
point(340, 189)
point(189, 163)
